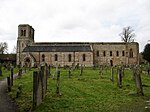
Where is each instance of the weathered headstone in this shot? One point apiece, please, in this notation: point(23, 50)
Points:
point(69, 73)
point(1, 73)
point(81, 71)
point(119, 77)
point(138, 81)
point(39, 85)
point(19, 90)
point(9, 84)
point(20, 73)
point(112, 74)
point(57, 84)
point(49, 70)
point(53, 75)
point(101, 71)
point(11, 75)
point(122, 71)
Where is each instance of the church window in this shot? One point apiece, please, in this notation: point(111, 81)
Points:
point(56, 57)
point(83, 56)
point(97, 53)
point(117, 53)
point(69, 57)
point(110, 53)
point(123, 54)
point(131, 53)
point(104, 53)
point(43, 57)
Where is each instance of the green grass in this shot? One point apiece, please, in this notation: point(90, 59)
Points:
point(6, 72)
point(88, 93)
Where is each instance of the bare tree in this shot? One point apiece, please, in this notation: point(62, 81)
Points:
point(127, 34)
point(14, 50)
point(3, 47)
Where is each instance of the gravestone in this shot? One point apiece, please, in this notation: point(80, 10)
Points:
point(58, 84)
point(20, 73)
point(69, 73)
point(11, 75)
point(1, 73)
point(112, 74)
point(119, 77)
point(39, 85)
point(19, 90)
point(101, 71)
point(138, 81)
point(9, 84)
point(81, 71)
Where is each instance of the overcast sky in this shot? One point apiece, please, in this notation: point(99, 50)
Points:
point(75, 20)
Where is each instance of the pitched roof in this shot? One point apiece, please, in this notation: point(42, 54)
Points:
point(64, 48)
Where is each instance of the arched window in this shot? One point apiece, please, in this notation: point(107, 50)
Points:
point(97, 53)
point(123, 54)
point(131, 53)
point(43, 57)
point(69, 57)
point(117, 53)
point(24, 33)
point(110, 53)
point(21, 32)
point(84, 58)
point(104, 53)
point(56, 57)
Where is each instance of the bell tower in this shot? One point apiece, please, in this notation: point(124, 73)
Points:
point(25, 38)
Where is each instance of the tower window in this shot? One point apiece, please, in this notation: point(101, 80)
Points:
point(110, 53)
point(56, 57)
point(43, 57)
point(69, 57)
point(23, 32)
point(117, 53)
point(97, 53)
point(83, 56)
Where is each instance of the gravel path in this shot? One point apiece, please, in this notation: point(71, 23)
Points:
point(6, 103)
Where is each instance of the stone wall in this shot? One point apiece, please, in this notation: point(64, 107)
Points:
point(63, 59)
point(100, 48)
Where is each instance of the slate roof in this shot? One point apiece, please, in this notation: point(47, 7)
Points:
point(67, 48)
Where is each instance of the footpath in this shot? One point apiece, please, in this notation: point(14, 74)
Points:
point(6, 103)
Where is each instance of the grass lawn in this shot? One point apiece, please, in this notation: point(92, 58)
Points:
point(6, 72)
point(88, 93)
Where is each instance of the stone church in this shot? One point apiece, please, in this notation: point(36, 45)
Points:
point(30, 53)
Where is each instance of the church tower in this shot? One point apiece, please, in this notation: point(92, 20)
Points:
point(25, 38)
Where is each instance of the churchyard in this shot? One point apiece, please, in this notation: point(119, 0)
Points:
point(98, 89)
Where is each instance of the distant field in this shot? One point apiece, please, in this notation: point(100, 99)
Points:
point(88, 93)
